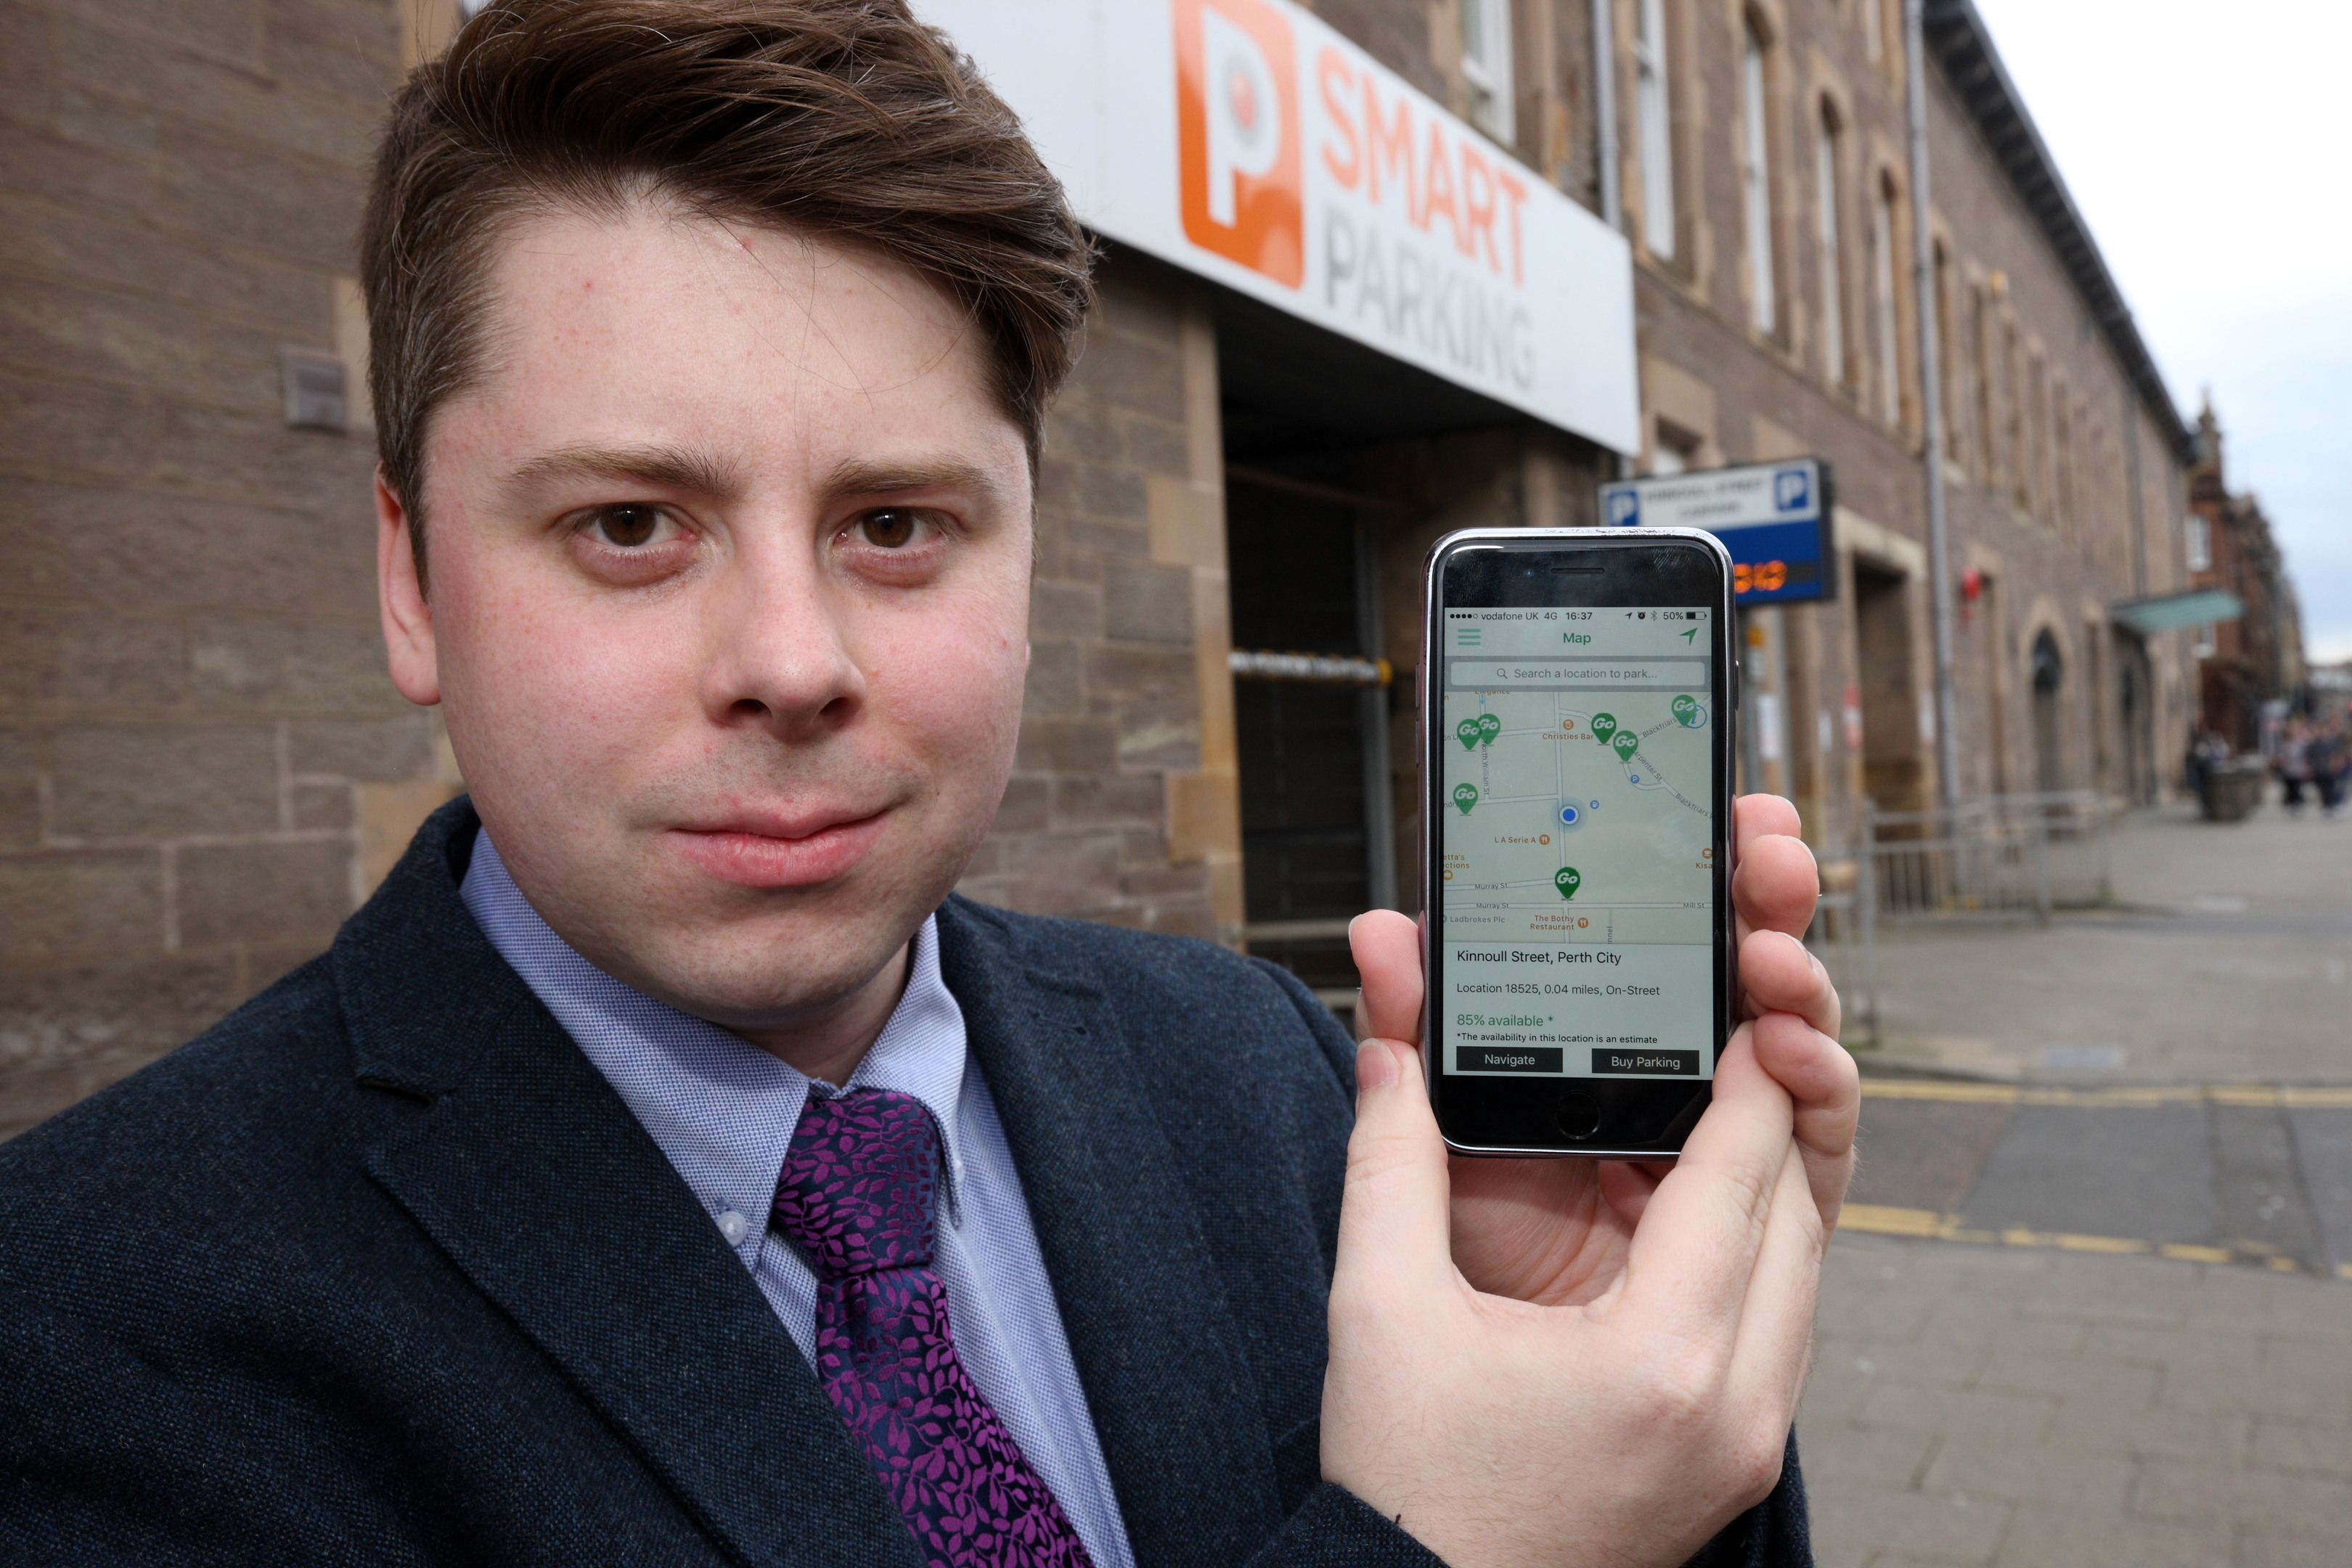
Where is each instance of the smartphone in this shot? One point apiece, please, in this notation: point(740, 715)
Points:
point(1578, 692)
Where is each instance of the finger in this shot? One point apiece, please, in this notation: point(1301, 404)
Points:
point(1394, 1210)
point(1776, 1314)
point(1387, 949)
point(1700, 1234)
point(1628, 1185)
point(1826, 1091)
point(1777, 975)
point(1776, 884)
point(1756, 815)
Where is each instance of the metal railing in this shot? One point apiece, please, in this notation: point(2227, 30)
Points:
point(1999, 856)
point(2004, 857)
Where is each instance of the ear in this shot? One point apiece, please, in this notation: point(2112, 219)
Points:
point(399, 599)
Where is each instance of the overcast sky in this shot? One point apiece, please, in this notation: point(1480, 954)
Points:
point(2206, 142)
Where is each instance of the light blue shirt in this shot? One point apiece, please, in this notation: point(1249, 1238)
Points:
point(723, 1111)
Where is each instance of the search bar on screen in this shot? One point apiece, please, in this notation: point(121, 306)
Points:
point(1577, 674)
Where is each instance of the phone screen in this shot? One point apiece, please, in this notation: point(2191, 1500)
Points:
point(1579, 753)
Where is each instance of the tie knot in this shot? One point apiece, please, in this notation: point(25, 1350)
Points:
point(859, 1180)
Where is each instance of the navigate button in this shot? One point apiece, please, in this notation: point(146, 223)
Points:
point(1509, 1058)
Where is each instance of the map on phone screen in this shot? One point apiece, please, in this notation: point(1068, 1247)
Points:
point(1577, 850)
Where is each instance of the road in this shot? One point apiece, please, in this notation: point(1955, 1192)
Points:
point(2092, 1301)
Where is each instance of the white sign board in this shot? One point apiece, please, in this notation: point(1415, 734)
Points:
point(1247, 141)
point(1770, 516)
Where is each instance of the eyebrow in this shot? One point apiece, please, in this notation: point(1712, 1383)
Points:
point(701, 473)
point(859, 477)
point(670, 468)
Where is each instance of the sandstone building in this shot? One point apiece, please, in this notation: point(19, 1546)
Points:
point(2250, 664)
point(1486, 302)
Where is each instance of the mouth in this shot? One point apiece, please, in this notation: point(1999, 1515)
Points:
point(797, 849)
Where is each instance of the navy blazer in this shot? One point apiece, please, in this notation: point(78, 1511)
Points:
point(382, 1270)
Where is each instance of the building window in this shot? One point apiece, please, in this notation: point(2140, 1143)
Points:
point(2014, 388)
point(2037, 415)
point(2199, 543)
point(1486, 64)
point(2062, 490)
point(1825, 197)
point(1890, 343)
point(1948, 369)
point(1756, 183)
point(1654, 130)
point(1981, 335)
point(1671, 450)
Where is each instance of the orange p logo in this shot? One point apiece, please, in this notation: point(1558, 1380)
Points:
point(1237, 135)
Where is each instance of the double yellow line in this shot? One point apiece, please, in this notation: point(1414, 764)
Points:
point(2325, 1097)
point(1881, 1219)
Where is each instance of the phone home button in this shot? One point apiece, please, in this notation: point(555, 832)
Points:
point(1578, 1116)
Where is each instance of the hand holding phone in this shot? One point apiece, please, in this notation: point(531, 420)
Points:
point(1633, 1395)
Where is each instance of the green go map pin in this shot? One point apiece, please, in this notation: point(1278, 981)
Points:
point(1567, 880)
point(1603, 726)
point(1685, 710)
point(1626, 743)
point(1465, 795)
point(1490, 726)
point(1468, 732)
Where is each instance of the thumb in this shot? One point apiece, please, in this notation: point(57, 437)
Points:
point(1394, 1213)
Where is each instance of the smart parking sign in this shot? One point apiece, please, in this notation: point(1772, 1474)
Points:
point(1774, 518)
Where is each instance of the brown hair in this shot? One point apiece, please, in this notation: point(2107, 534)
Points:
point(841, 119)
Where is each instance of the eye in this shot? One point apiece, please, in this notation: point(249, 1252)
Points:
point(892, 528)
point(628, 526)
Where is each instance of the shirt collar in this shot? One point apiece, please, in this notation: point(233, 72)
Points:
point(722, 1110)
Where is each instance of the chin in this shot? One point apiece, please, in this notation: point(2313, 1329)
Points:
point(749, 960)
point(735, 994)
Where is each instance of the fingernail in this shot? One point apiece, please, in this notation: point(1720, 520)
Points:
point(1376, 1066)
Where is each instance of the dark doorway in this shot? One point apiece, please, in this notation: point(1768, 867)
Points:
point(1893, 770)
point(2049, 726)
point(1314, 824)
point(2135, 710)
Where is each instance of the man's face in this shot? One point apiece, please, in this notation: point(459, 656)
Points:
point(728, 561)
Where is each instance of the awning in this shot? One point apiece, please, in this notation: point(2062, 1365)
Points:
point(2198, 608)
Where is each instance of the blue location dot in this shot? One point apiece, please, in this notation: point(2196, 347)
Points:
point(1568, 816)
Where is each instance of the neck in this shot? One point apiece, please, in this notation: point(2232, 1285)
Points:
point(829, 1042)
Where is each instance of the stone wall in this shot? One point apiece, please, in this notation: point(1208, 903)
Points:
point(1123, 805)
point(202, 762)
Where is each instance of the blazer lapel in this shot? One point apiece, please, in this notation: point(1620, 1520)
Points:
point(1155, 1343)
point(530, 1174)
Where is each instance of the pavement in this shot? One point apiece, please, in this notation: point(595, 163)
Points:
point(2033, 1406)
point(2226, 954)
point(2092, 1301)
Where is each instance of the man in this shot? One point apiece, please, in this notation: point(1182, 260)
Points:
point(662, 1166)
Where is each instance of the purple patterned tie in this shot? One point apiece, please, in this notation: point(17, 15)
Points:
point(856, 1196)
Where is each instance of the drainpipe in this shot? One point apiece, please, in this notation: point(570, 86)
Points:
point(1604, 143)
point(1604, 112)
point(1931, 406)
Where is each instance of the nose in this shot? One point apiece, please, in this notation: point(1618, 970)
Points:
point(777, 652)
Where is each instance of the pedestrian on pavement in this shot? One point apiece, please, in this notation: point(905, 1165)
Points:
point(2292, 761)
point(2330, 758)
